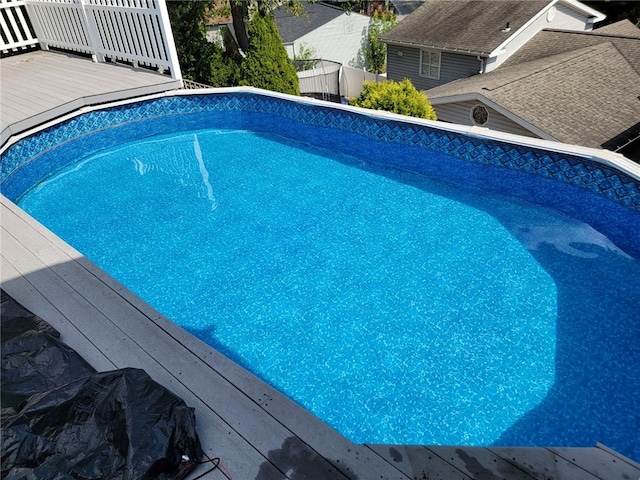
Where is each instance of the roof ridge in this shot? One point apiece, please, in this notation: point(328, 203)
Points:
point(563, 57)
point(593, 33)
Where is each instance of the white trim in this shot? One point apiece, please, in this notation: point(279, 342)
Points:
point(476, 97)
point(421, 46)
point(581, 7)
point(574, 4)
point(430, 52)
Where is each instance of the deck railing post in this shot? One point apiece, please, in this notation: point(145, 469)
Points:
point(37, 28)
point(169, 42)
point(92, 32)
point(134, 31)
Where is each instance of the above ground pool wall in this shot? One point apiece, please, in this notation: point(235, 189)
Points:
point(475, 162)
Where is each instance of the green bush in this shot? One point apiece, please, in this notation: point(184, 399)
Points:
point(267, 64)
point(224, 70)
point(397, 97)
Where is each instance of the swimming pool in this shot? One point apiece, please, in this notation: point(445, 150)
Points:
point(560, 348)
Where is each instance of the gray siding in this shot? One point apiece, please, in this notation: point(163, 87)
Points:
point(460, 113)
point(452, 67)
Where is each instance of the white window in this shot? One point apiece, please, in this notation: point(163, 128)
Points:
point(430, 64)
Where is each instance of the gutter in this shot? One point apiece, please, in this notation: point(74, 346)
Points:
point(437, 47)
point(483, 63)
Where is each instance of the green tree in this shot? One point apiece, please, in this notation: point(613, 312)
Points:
point(305, 59)
point(214, 64)
point(267, 64)
point(374, 51)
point(194, 52)
point(224, 68)
point(616, 11)
point(397, 97)
point(200, 60)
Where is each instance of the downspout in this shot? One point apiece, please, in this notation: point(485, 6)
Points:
point(482, 63)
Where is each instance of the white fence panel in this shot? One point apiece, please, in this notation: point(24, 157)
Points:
point(60, 24)
point(136, 31)
point(15, 32)
point(130, 30)
point(352, 79)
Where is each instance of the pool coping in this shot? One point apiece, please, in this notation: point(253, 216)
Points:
point(600, 156)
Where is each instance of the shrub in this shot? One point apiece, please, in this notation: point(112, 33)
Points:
point(397, 97)
point(224, 70)
point(267, 64)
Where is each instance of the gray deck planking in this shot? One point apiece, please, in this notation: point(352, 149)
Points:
point(256, 431)
point(39, 86)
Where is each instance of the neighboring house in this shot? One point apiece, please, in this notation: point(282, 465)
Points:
point(401, 8)
point(329, 31)
point(581, 88)
point(444, 40)
point(535, 68)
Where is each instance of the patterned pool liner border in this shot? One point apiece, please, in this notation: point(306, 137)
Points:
point(571, 169)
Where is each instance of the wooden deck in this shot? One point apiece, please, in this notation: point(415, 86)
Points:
point(255, 431)
point(42, 85)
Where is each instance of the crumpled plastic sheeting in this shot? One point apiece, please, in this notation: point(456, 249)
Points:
point(33, 359)
point(112, 425)
point(109, 426)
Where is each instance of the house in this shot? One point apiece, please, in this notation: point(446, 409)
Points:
point(573, 87)
point(330, 32)
point(402, 8)
point(444, 40)
point(536, 68)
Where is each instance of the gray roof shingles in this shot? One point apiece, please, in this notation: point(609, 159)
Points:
point(292, 27)
point(473, 26)
point(580, 88)
point(552, 42)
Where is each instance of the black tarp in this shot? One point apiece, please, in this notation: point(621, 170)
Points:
point(62, 420)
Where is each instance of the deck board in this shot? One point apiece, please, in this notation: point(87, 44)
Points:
point(542, 463)
point(39, 86)
point(600, 462)
point(478, 462)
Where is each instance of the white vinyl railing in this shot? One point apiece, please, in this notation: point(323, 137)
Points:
point(16, 34)
point(136, 31)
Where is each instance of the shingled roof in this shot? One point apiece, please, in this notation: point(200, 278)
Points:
point(292, 27)
point(621, 28)
point(577, 87)
point(473, 26)
point(623, 34)
point(406, 7)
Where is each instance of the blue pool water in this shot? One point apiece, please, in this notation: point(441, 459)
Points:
point(396, 307)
